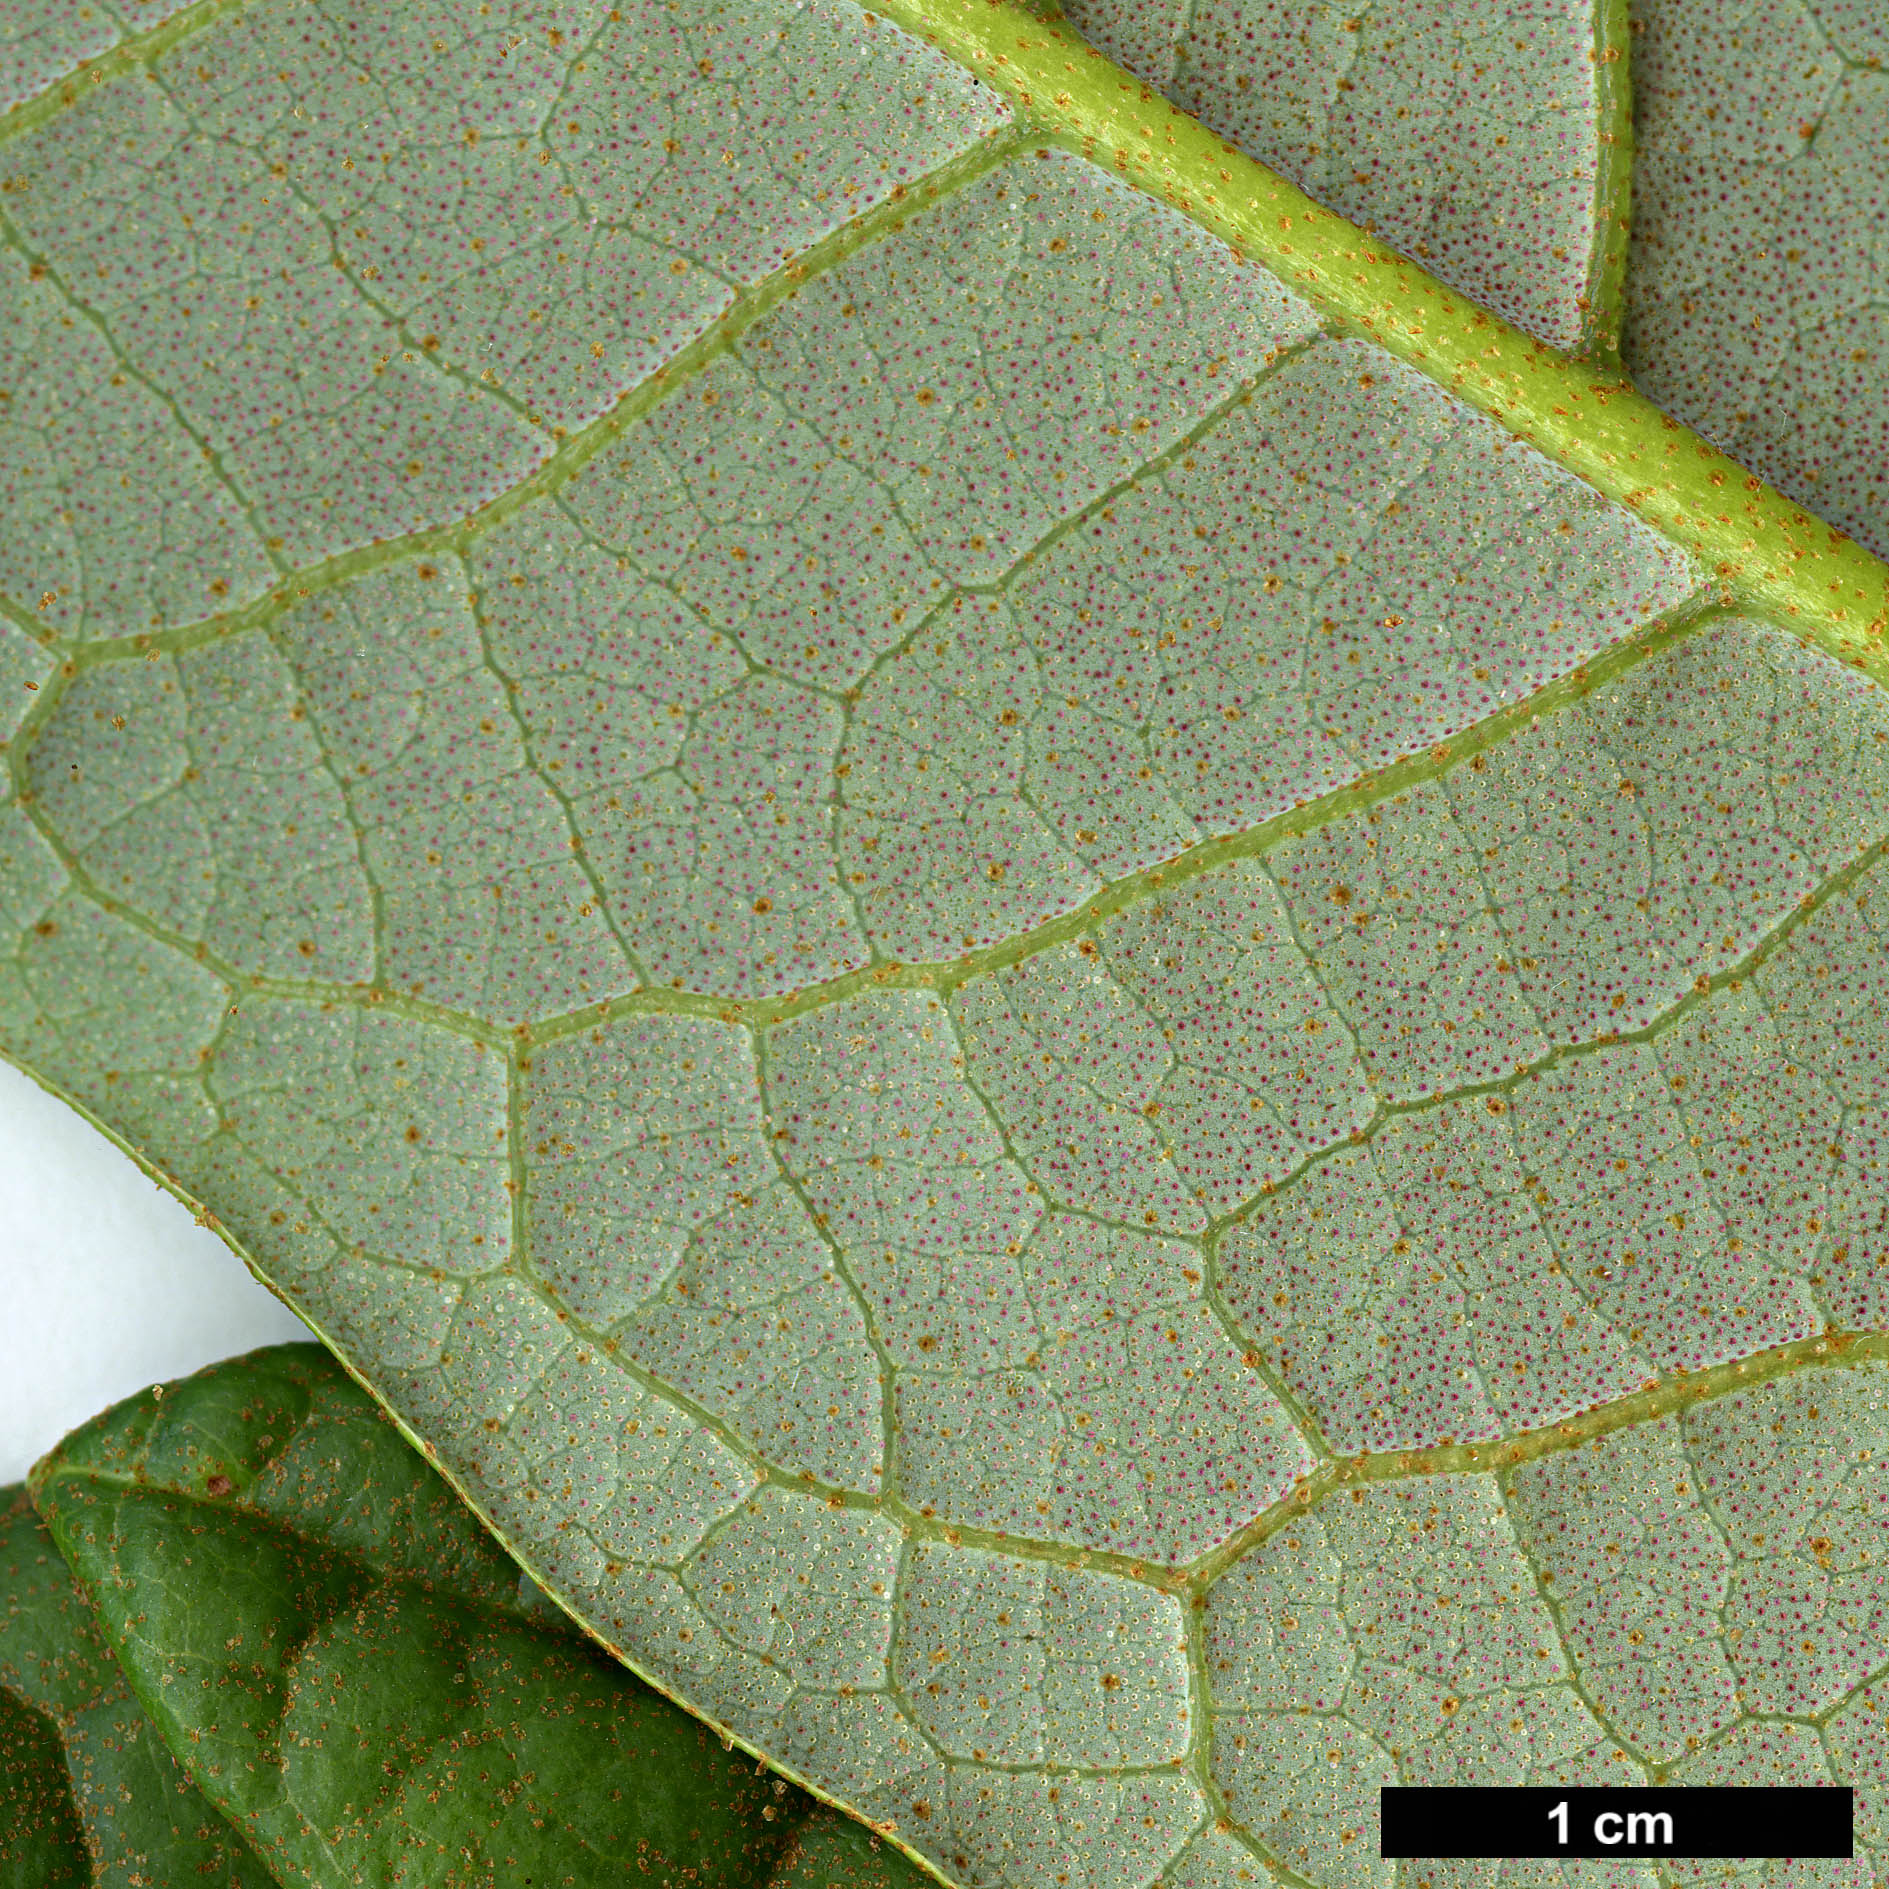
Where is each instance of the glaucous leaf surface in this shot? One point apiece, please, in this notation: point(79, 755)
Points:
point(1491, 142)
point(356, 1675)
point(44, 41)
point(1475, 137)
point(91, 1793)
point(1758, 287)
point(1035, 916)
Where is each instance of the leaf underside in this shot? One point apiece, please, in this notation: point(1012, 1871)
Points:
point(1474, 138)
point(1758, 284)
point(1740, 269)
point(1104, 1071)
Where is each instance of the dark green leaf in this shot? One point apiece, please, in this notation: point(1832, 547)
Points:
point(834, 1852)
point(41, 1846)
point(88, 1792)
point(361, 1679)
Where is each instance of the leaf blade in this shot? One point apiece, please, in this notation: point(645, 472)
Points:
point(97, 1799)
point(737, 1183)
point(1479, 143)
point(43, 1845)
point(387, 1691)
point(1761, 543)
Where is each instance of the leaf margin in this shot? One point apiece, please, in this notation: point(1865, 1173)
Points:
point(827, 1836)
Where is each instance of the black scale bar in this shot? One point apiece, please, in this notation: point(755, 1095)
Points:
point(1761, 1820)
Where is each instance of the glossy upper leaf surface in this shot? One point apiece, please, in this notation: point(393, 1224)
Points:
point(357, 1675)
point(1038, 916)
point(92, 1794)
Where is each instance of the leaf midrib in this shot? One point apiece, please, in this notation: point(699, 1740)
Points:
point(1760, 547)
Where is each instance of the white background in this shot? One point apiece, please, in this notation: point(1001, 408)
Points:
point(107, 1284)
